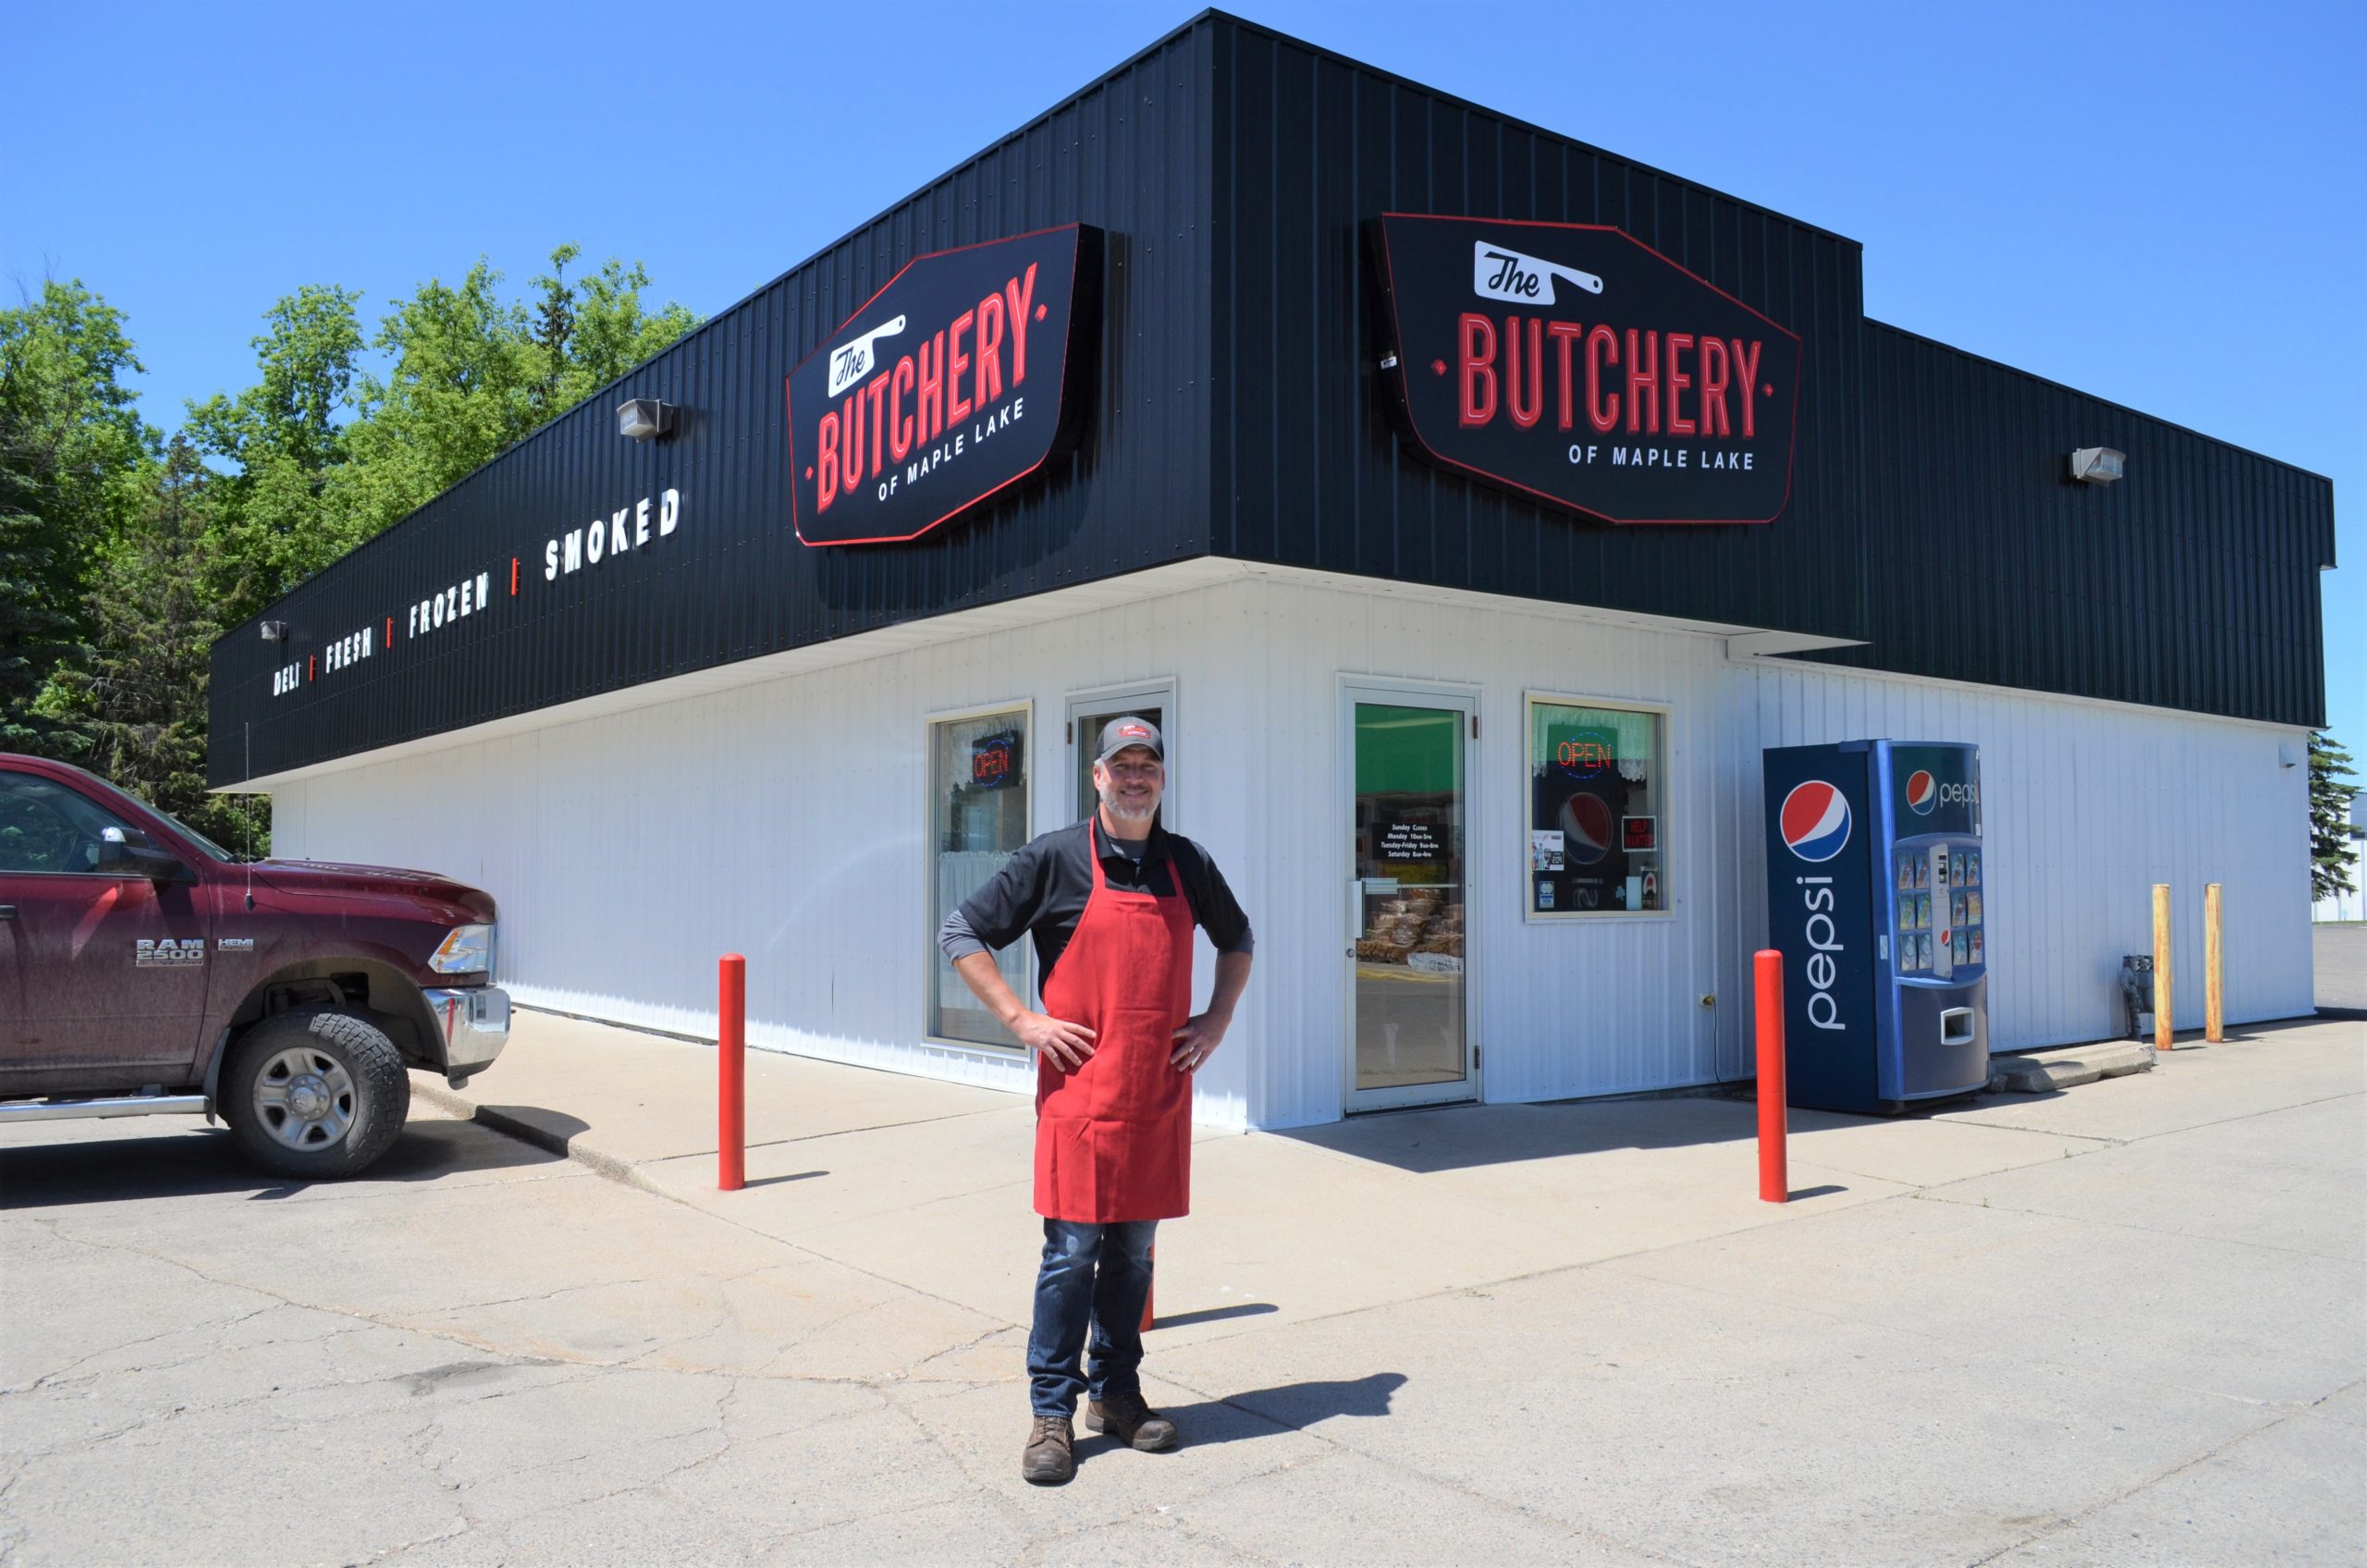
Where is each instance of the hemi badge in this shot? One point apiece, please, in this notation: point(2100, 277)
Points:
point(235, 945)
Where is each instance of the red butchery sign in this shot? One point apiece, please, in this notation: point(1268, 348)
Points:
point(962, 376)
point(1576, 365)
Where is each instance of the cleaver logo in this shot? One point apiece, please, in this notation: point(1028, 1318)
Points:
point(1501, 272)
point(852, 360)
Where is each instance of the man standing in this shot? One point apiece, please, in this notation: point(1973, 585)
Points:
point(1110, 902)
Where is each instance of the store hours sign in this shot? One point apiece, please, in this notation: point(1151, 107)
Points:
point(961, 377)
point(1575, 364)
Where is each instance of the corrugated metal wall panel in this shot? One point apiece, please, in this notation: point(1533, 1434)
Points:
point(1561, 1009)
point(2192, 584)
point(783, 818)
point(792, 830)
point(1128, 155)
point(1310, 145)
point(1236, 413)
point(2085, 806)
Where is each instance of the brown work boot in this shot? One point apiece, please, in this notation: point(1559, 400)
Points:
point(1050, 1458)
point(1127, 1418)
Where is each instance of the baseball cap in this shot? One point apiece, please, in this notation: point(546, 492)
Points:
point(1129, 730)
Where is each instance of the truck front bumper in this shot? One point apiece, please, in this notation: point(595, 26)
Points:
point(474, 1024)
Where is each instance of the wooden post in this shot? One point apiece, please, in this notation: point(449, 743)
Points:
point(2214, 1013)
point(2161, 966)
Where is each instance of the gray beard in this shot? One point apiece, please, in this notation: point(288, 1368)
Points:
point(1124, 814)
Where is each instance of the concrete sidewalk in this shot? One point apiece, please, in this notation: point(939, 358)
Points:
point(926, 1185)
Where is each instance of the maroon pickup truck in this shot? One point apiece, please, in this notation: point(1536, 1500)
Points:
point(144, 969)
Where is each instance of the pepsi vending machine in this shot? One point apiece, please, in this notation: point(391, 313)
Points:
point(1874, 893)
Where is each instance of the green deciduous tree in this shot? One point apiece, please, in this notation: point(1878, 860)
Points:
point(2331, 787)
point(285, 435)
point(121, 559)
point(472, 374)
point(605, 331)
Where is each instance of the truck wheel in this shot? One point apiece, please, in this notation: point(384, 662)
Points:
point(316, 1095)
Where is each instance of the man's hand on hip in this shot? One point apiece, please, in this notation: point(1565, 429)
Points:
point(1197, 1040)
point(1067, 1043)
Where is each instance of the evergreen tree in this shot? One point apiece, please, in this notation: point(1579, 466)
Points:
point(35, 635)
point(140, 693)
point(75, 461)
point(2330, 792)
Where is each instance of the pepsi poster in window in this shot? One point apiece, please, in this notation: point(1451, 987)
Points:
point(1592, 870)
point(1577, 365)
point(968, 373)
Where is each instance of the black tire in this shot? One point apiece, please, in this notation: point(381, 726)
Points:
point(337, 1063)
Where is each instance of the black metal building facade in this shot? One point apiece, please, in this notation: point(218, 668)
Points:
point(1237, 412)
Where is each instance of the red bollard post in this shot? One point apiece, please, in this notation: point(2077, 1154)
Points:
point(1153, 1254)
point(731, 1074)
point(1775, 1174)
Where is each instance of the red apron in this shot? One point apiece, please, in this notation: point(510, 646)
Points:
point(1113, 1139)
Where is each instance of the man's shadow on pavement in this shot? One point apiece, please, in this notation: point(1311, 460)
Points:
point(1263, 1413)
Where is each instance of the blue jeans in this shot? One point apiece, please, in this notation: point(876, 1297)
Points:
point(1097, 1274)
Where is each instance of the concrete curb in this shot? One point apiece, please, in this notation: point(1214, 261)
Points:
point(2044, 1072)
point(599, 1161)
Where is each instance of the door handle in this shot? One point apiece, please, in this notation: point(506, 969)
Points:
point(7, 912)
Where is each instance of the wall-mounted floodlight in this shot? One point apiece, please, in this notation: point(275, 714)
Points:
point(275, 632)
point(645, 419)
point(2098, 465)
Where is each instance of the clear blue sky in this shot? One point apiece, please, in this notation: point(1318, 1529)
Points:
point(2163, 203)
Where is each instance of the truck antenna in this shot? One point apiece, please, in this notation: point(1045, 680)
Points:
point(248, 815)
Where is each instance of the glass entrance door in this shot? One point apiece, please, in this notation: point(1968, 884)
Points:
point(1409, 1025)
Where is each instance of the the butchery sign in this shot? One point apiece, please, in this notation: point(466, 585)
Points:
point(1582, 367)
point(968, 371)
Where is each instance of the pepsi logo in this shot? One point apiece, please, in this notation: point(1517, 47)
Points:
point(1815, 820)
point(1586, 828)
point(1922, 792)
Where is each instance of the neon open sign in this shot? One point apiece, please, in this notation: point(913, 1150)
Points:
point(1586, 753)
point(994, 762)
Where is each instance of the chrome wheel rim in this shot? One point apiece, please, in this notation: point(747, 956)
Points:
point(304, 1099)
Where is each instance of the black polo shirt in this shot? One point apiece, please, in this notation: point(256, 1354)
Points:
point(1042, 889)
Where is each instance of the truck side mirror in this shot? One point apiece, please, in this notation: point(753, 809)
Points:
point(127, 852)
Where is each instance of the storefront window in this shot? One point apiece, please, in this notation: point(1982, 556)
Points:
point(1598, 832)
point(978, 816)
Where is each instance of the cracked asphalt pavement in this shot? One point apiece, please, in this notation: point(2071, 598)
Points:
point(479, 1354)
point(2147, 1342)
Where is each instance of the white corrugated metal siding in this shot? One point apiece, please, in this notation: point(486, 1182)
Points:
point(784, 818)
point(2085, 806)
